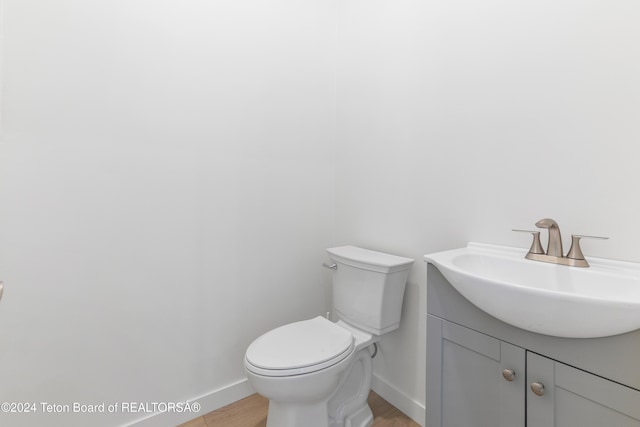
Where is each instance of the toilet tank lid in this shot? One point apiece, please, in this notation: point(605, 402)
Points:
point(360, 257)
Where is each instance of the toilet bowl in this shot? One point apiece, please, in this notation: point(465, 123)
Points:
point(317, 373)
point(300, 366)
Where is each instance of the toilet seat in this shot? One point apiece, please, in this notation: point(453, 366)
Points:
point(299, 348)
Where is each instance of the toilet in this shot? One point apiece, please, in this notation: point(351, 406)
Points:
point(317, 373)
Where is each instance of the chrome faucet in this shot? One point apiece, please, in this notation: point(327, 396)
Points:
point(554, 254)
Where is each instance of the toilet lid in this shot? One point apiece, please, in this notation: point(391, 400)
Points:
point(299, 348)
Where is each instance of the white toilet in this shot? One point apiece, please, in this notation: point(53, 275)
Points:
point(317, 373)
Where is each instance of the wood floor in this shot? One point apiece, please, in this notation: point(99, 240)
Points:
point(252, 412)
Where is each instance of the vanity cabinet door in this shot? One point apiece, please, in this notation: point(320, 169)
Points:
point(574, 398)
point(466, 384)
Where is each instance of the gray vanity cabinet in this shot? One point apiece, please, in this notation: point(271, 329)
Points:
point(574, 398)
point(470, 357)
point(472, 390)
point(475, 380)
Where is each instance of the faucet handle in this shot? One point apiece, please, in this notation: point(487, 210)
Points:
point(575, 252)
point(536, 247)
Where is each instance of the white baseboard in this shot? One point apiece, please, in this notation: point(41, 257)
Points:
point(208, 402)
point(413, 409)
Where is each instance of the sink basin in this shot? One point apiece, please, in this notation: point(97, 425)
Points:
point(550, 299)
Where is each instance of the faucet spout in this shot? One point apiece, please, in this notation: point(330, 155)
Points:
point(554, 245)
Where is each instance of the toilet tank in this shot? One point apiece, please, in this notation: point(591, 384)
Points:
point(368, 287)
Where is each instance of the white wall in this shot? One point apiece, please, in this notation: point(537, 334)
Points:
point(167, 193)
point(460, 120)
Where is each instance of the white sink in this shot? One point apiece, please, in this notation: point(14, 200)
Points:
point(550, 299)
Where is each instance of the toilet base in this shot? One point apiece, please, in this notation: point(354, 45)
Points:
point(361, 418)
point(297, 404)
point(282, 414)
point(309, 415)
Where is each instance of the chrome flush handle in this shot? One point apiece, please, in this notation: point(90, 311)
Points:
point(332, 266)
